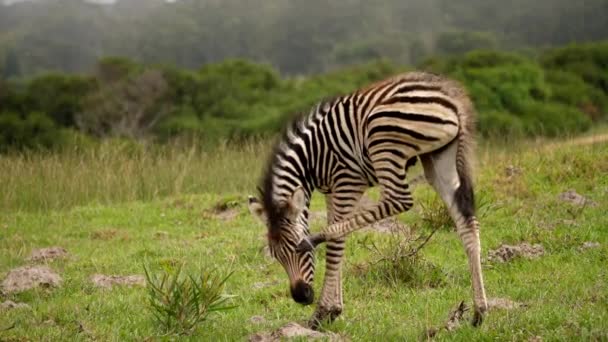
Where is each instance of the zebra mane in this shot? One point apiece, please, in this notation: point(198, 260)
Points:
point(275, 211)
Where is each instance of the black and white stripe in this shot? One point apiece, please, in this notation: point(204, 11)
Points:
point(346, 144)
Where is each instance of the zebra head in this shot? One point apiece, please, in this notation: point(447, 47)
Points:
point(287, 226)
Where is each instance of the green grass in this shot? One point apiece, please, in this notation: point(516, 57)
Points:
point(86, 203)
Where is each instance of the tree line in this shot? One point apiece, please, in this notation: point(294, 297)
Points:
point(560, 90)
point(297, 37)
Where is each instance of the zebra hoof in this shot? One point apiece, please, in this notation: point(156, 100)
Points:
point(324, 316)
point(477, 318)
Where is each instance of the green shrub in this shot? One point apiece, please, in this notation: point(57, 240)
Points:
point(494, 124)
point(589, 61)
point(36, 130)
point(58, 95)
point(179, 303)
point(552, 119)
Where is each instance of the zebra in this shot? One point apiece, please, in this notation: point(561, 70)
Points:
point(347, 144)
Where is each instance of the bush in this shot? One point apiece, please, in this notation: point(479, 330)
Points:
point(58, 95)
point(36, 130)
point(590, 61)
point(552, 119)
point(180, 303)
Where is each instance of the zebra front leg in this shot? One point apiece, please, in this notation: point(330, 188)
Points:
point(330, 304)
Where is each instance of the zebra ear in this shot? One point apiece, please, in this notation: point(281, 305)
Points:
point(256, 209)
point(297, 203)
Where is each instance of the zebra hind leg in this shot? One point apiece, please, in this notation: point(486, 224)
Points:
point(457, 193)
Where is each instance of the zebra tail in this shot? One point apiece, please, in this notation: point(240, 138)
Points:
point(465, 158)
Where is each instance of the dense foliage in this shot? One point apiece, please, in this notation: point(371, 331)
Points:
point(295, 36)
point(563, 90)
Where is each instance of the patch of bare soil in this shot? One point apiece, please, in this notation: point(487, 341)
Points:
point(503, 304)
point(104, 234)
point(28, 277)
point(582, 141)
point(590, 245)
point(224, 210)
point(47, 254)
point(506, 253)
point(573, 197)
point(9, 304)
point(293, 330)
point(108, 281)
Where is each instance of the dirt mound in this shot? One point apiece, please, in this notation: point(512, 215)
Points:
point(293, 330)
point(506, 253)
point(28, 277)
point(108, 281)
point(9, 304)
point(573, 197)
point(46, 254)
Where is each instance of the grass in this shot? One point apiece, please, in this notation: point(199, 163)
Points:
point(116, 208)
point(123, 171)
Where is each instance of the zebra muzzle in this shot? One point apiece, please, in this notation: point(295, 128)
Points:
point(303, 293)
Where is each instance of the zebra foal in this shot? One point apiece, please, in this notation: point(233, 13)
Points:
point(367, 138)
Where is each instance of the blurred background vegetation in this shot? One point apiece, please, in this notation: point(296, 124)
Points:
point(211, 70)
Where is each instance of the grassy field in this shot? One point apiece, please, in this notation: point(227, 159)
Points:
point(118, 207)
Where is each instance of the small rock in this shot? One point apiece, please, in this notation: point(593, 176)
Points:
point(108, 282)
point(257, 319)
point(535, 339)
point(572, 197)
point(590, 245)
point(571, 223)
point(506, 253)
point(503, 303)
point(9, 304)
point(292, 330)
point(49, 253)
point(28, 277)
